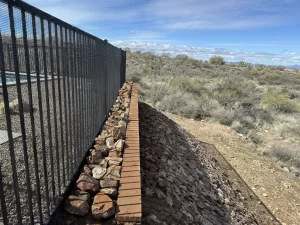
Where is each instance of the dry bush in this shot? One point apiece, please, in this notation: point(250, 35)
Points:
point(286, 152)
point(278, 101)
point(181, 103)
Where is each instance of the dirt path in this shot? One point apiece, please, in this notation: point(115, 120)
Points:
point(277, 189)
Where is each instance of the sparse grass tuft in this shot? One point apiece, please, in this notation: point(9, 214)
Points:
point(278, 101)
point(287, 153)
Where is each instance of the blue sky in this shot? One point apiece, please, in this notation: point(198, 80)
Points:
point(258, 31)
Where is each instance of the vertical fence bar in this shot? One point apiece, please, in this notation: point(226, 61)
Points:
point(70, 102)
point(48, 111)
point(76, 112)
point(37, 70)
point(54, 68)
point(54, 105)
point(9, 133)
point(60, 113)
point(20, 103)
point(63, 57)
point(73, 72)
point(2, 198)
point(31, 111)
point(80, 75)
point(84, 73)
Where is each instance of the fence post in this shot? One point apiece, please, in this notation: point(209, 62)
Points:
point(8, 56)
point(105, 58)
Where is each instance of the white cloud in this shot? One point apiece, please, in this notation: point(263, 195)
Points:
point(284, 58)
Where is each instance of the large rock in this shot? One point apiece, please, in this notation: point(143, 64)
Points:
point(83, 195)
point(109, 183)
point(86, 169)
point(87, 183)
point(113, 173)
point(94, 157)
point(119, 132)
point(111, 192)
point(98, 172)
point(110, 143)
point(76, 206)
point(103, 207)
point(114, 153)
point(114, 161)
point(119, 145)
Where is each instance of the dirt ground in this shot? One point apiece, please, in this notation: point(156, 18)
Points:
point(278, 189)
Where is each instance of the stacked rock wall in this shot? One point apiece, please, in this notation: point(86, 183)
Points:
point(97, 186)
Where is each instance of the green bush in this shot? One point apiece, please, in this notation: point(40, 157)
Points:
point(230, 91)
point(217, 60)
point(278, 101)
point(287, 153)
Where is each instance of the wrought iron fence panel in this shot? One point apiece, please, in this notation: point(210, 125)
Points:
point(57, 86)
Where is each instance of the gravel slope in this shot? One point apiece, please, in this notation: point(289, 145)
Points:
point(183, 181)
point(278, 189)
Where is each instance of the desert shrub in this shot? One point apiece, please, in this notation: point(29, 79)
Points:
point(217, 60)
point(291, 129)
point(286, 152)
point(191, 85)
point(255, 138)
point(156, 92)
point(135, 78)
point(232, 90)
point(223, 116)
point(181, 103)
point(276, 100)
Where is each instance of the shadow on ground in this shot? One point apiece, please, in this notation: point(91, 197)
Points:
point(182, 183)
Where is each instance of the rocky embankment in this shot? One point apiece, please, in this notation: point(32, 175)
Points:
point(182, 182)
point(97, 185)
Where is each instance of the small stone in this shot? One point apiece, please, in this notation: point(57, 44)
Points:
point(119, 145)
point(98, 172)
point(113, 173)
point(94, 157)
point(286, 169)
point(100, 146)
point(265, 195)
point(83, 195)
point(111, 192)
point(86, 169)
point(116, 115)
point(103, 206)
point(110, 143)
point(152, 219)
point(159, 193)
point(114, 154)
point(108, 183)
point(76, 206)
point(119, 132)
point(87, 183)
point(114, 161)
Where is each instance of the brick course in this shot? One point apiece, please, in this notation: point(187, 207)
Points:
point(129, 202)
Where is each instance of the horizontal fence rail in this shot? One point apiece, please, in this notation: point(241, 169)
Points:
point(57, 86)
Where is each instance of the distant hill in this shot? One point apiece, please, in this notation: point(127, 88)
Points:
point(293, 67)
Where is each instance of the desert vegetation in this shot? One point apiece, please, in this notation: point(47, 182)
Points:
point(262, 103)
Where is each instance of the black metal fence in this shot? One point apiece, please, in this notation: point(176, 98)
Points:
point(57, 86)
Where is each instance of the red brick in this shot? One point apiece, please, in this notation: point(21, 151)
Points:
point(129, 154)
point(130, 174)
point(130, 179)
point(130, 186)
point(131, 200)
point(130, 192)
point(132, 159)
point(130, 168)
point(133, 163)
point(128, 209)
